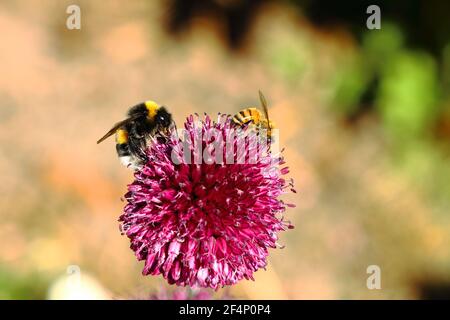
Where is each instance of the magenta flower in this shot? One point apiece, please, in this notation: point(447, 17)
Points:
point(205, 224)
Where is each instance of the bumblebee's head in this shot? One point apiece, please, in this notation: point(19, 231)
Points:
point(151, 111)
point(158, 114)
point(163, 118)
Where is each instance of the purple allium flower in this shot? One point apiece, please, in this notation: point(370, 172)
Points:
point(207, 224)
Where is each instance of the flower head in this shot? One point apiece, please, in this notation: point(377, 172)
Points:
point(205, 223)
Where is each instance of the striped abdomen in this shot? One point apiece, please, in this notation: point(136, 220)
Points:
point(126, 157)
point(254, 118)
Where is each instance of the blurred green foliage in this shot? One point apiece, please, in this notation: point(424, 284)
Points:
point(380, 45)
point(288, 61)
point(351, 81)
point(16, 285)
point(407, 96)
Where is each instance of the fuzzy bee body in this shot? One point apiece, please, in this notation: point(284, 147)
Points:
point(126, 157)
point(255, 119)
point(132, 134)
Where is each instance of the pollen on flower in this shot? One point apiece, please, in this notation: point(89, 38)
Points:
point(205, 223)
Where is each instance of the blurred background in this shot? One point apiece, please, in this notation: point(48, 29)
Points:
point(364, 117)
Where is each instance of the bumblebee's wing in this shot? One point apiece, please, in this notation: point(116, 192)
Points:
point(114, 129)
point(266, 113)
point(264, 105)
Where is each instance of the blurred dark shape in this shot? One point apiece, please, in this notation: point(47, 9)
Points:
point(433, 290)
point(442, 129)
point(236, 16)
point(366, 102)
point(425, 23)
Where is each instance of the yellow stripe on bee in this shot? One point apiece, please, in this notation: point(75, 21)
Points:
point(255, 118)
point(246, 115)
point(152, 108)
point(121, 136)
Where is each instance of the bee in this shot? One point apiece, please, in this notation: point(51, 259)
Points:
point(256, 119)
point(144, 120)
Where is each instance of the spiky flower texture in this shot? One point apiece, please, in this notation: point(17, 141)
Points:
point(205, 224)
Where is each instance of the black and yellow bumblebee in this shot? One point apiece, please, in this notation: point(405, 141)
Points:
point(256, 119)
point(144, 120)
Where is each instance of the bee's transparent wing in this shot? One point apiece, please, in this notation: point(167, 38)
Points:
point(264, 105)
point(114, 129)
point(266, 113)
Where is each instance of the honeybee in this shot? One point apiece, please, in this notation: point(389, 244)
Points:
point(144, 121)
point(255, 118)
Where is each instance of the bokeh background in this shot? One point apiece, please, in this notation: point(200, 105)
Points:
point(364, 117)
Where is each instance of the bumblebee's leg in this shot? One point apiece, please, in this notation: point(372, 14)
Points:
point(137, 147)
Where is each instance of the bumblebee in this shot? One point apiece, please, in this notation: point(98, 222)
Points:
point(255, 118)
point(144, 120)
